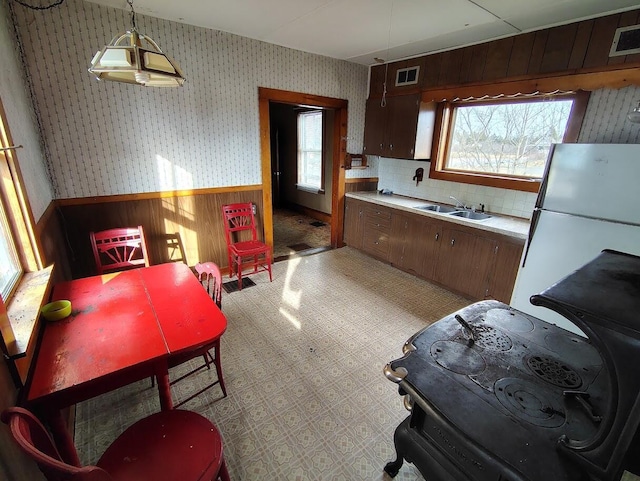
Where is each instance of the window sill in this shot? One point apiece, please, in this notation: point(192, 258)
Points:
point(312, 190)
point(524, 185)
point(23, 310)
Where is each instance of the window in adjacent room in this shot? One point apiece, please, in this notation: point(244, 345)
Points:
point(503, 143)
point(310, 154)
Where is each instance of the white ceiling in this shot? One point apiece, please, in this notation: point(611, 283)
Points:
point(360, 30)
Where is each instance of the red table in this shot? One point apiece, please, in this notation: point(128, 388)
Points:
point(122, 328)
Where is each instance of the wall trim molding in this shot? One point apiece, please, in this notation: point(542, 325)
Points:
point(103, 199)
point(358, 180)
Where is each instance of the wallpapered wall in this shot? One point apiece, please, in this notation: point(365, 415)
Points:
point(109, 138)
point(605, 122)
point(21, 119)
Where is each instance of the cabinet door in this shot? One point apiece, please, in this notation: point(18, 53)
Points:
point(375, 121)
point(402, 125)
point(406, 251)
point(503, 278)
point(481, 268)
point(455, 257)
point(430, 245)
point(353, 223)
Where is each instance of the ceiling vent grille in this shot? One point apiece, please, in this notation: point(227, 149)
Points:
point(407, 76)
point(626, 41)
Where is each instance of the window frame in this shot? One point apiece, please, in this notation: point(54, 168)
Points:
point(299, 184)
point(444, 129)
point(15, 204)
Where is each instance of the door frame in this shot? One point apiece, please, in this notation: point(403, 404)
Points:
point(266, 95)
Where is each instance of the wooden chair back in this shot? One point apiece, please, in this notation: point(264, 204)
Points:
point(210, 277)
point(118, 249)
point(32, 438)
point(239, 218)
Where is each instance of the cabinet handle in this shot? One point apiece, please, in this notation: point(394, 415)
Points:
point(495, 250)
point(377, 225)
point(453, 241)
point(437, 236)
point(381, 146)
point(390, 146)
point(376, 243)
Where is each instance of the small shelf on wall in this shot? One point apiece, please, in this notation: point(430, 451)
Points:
point(355, 161)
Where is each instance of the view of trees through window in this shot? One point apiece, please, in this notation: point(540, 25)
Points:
point(310, 149)
point(511, 139)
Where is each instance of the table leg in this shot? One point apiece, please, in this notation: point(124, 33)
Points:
point(164, 390)
point(63, 438)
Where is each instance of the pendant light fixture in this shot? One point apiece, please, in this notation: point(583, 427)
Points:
point(127, 59)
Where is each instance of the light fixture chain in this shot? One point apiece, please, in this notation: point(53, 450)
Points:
point(34, 7)
point(133, 15)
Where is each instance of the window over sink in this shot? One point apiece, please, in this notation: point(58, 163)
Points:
point(504, 141)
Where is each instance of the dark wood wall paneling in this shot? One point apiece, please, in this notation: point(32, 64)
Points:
point(196, 217)
point(52, 242)
point(363, 184)
point(580, 46)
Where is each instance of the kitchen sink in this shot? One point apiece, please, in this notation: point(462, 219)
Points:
point(468, 214)
point(443, 209)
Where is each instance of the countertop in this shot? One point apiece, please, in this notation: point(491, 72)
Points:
point(499, 224)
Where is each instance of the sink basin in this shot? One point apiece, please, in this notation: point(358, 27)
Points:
point(467, 214)
point(443, 209)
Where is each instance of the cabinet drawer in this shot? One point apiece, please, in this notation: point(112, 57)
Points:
point(376, 243)
point(377, 219)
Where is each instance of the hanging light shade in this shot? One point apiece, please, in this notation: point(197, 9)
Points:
point(127, 59)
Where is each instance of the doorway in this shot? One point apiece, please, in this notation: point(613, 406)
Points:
point(274, 102)
point(301, 175)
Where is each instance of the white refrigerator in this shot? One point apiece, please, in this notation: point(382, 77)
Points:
point(589, 200)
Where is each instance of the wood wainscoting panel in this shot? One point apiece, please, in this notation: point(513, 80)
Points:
point(188, 225)
point(52, 242)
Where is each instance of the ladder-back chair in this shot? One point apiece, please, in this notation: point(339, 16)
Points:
point(118, 249)
point(244, 249)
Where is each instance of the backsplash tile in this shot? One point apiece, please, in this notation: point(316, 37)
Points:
point(397, 175)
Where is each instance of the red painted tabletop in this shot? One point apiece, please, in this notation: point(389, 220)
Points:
point(118, 322)
point(187, 315)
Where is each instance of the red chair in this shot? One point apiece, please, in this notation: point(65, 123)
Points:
point(211, 278)
point(170, 445)
point(117, 249)
point(243, 246)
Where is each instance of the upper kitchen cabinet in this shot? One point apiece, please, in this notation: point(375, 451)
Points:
point(402, 129)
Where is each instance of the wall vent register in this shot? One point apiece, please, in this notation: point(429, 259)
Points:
point(626, 41)
point(407, 76)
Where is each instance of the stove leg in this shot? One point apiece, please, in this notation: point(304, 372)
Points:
point(393, 467)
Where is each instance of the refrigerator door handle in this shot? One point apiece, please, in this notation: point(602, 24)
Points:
point(532, 230)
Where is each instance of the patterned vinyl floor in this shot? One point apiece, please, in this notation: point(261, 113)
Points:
point(302, 360)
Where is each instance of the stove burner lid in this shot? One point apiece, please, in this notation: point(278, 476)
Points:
point(457, 357)
point(554, 372)
point(508, 320)
point(492, 339)
point(529, 402)
point(573, 347)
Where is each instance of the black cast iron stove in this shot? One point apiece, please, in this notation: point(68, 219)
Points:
point(496, 394)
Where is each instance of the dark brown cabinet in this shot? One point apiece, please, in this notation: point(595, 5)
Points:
point(406, 250)
point(353, 222)
point(402, 129)
point(376, 231)
point(473, 262)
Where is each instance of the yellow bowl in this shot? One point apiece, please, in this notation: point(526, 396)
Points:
point(54, 311)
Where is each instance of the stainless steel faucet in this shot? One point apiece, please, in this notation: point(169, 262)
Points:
point(458, 203)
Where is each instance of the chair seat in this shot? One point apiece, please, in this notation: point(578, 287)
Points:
point(248, 248)
point(171, 445)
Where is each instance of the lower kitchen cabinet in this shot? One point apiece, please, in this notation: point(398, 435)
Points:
point(473, 262)
point(406, 250)
point(353, 222)
point(376, 231)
